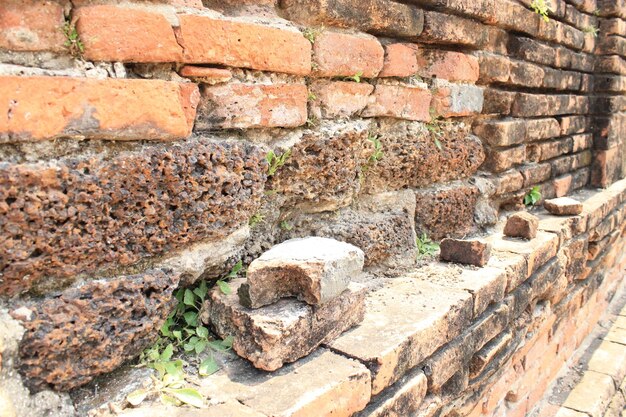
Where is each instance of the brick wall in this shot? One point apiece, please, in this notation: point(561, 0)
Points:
point(133, 148)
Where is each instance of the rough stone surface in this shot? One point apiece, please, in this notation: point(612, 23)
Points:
point(470, 252)
point(339, 99)
point(405, 321)
point(405, 399)
point(59, 107)
point(284, 331)
point(563, 206)
point(94, 328)
point(337, 54)
point(522, 224)
point(412, 159)
point(32, 25)
point(381, 225)
point(314, 270)
point(400, 101)
point(446, 211)
point(322, 172)
point(76, 215)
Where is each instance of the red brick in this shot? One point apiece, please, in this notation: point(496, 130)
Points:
point(206, 40)
point(562, 185)
point(111, 33)
point(451, 66)
point(400, 60)
point(50, 107)
point(31, 25)
point(252, 105)
point(338, 54)
point(400, 101)
point(205, 74)
point(336, 99)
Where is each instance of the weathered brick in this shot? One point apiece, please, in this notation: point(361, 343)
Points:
point(338, 54)
point(111, 33)
point(447, 28)
point(339, 99)
point(508, 182)
point(32, 25)
point(231, 106)
point(531, 50)
point(205, 74)
point(447, 65)
point(469, 252)
point(407, 397)
point(574, 124)
point(498, 101)
point(456, 100)
point(405, 322)
point(401, 101)
point(536, 251)
point(499, 160)
point(400, 60)
point(70, 215)
point(535, 173)
point(606, 167)
point(538, 129)
point(525, 74)
point(493, 68)
point(207, 40)
point(380, 17)
point(39, 108)
point(501, 132)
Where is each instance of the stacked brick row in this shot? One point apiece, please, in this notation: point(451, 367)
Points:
point(133, 157)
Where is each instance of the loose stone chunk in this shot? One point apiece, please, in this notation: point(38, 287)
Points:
point(470, 252)
point(286, 330)
point(314, 269)
point(522, 224)
point(563, 206)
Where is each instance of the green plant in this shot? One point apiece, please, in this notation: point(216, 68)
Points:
point(434, 127)
point(256, 219)
point(312, 96)
point(312, 33)
point(312, 121)
point(276, 161)
point(425, 246)
point(222, 283)
point(356, 77)
point(592, 30)
point(72, 40)
point(378, 153)
point(171, 390)
point(285, 225)
point(532, 196)
point(542, 8)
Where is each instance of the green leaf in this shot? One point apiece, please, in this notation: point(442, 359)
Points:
point(173, 367)
point(208, 367)
point(438, 144)
point(136, 397)
point(200, 346)
point(188, 396)
point(224, 287)
point(167, 353)
point(202, 332)
point(202, 290)
point(189, 298)
point(177, 334)
point(169, 400)
point(189, 347)
point(233, 272)
point(191, 318)
point(222, 345)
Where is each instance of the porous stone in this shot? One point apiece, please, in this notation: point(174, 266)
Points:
point(469, 252)
point(522, 224)
point(322, 170)
point(285, 331)
point(94, 328)
point(80, 214)
point(411, 157)
point(381, 225)
point(563, 206)
point(446, 211)
point(314, 270)
point(405, 322)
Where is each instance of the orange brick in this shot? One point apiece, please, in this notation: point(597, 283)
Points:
point(50, 107)
point(338, 54)
point(336, 99)
point(451, 66)
point(31, 25)
point(112, 33)
point(206, 74)
point(252, 105)
point(400, 60)
point(206, 40)
point(401, 102)
point(562, 185)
